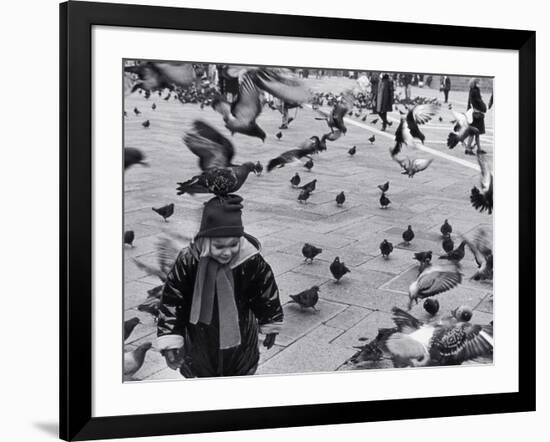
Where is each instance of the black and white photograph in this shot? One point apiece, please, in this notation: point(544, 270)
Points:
point(287, 220)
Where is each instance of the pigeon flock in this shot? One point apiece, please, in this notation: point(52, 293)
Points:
point(447, 338)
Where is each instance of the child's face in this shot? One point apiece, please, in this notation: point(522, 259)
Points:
point(224, 249)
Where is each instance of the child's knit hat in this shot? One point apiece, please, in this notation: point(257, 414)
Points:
point(221, 217)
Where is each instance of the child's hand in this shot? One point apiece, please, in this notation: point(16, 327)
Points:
point(173, 359)
point(270, 340)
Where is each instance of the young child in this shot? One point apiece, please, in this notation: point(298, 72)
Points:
point(217, 297)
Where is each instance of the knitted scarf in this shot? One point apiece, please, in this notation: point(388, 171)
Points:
point(215, 280)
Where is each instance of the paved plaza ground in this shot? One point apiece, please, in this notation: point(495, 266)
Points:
point(361, 303)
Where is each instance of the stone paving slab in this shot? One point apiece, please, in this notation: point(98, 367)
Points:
point(348, 318)
point(299, 322)
point(312, 353)
point(366, 328)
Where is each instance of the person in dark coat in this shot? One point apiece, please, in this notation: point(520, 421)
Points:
point(384, 99)
point(374, 80)
point(218, 296)
point(446, 87)
point(477, 107)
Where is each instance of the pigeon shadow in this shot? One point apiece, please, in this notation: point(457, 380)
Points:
point(50, 428)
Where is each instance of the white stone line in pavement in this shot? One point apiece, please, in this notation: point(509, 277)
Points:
point(423, 147)
point(418, 146)
point(428, 126)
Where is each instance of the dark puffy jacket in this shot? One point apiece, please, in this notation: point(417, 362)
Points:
point(257, 300)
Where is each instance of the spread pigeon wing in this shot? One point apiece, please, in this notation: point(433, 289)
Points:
point(406, 322)
point(247, 106)
point(460, 119)
point(438, 279)
point(212, 148)
point(464, 341)
point(424, 112)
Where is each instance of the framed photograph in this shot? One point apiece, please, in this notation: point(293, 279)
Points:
point(272, 220)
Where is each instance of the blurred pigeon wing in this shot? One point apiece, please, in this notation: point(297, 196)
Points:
point(180, 74)
point(424, 112)
point(167, 252)
point(281, 86)
point(150, 270)
point(212, 148)
point(436, 280)
point(247, 106)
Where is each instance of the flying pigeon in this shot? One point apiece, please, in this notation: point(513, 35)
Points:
point(434, 280)
point(482, 198)
point(408, 130)
point(290, 156)
point(240, 115)
point(412, 167)
point(437, 343)
point(133, 156)
point(162, 75)
point(483, 255)
point(462, 131)
point(215, 153)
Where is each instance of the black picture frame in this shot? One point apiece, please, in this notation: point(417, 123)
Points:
point(76, 21)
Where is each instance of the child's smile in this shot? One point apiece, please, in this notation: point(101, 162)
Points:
point(224, 250)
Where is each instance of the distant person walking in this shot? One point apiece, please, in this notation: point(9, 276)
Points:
point(407, 80)
point(384, 99)
point(374, 82)
point(477, 108)
point(445, 87)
